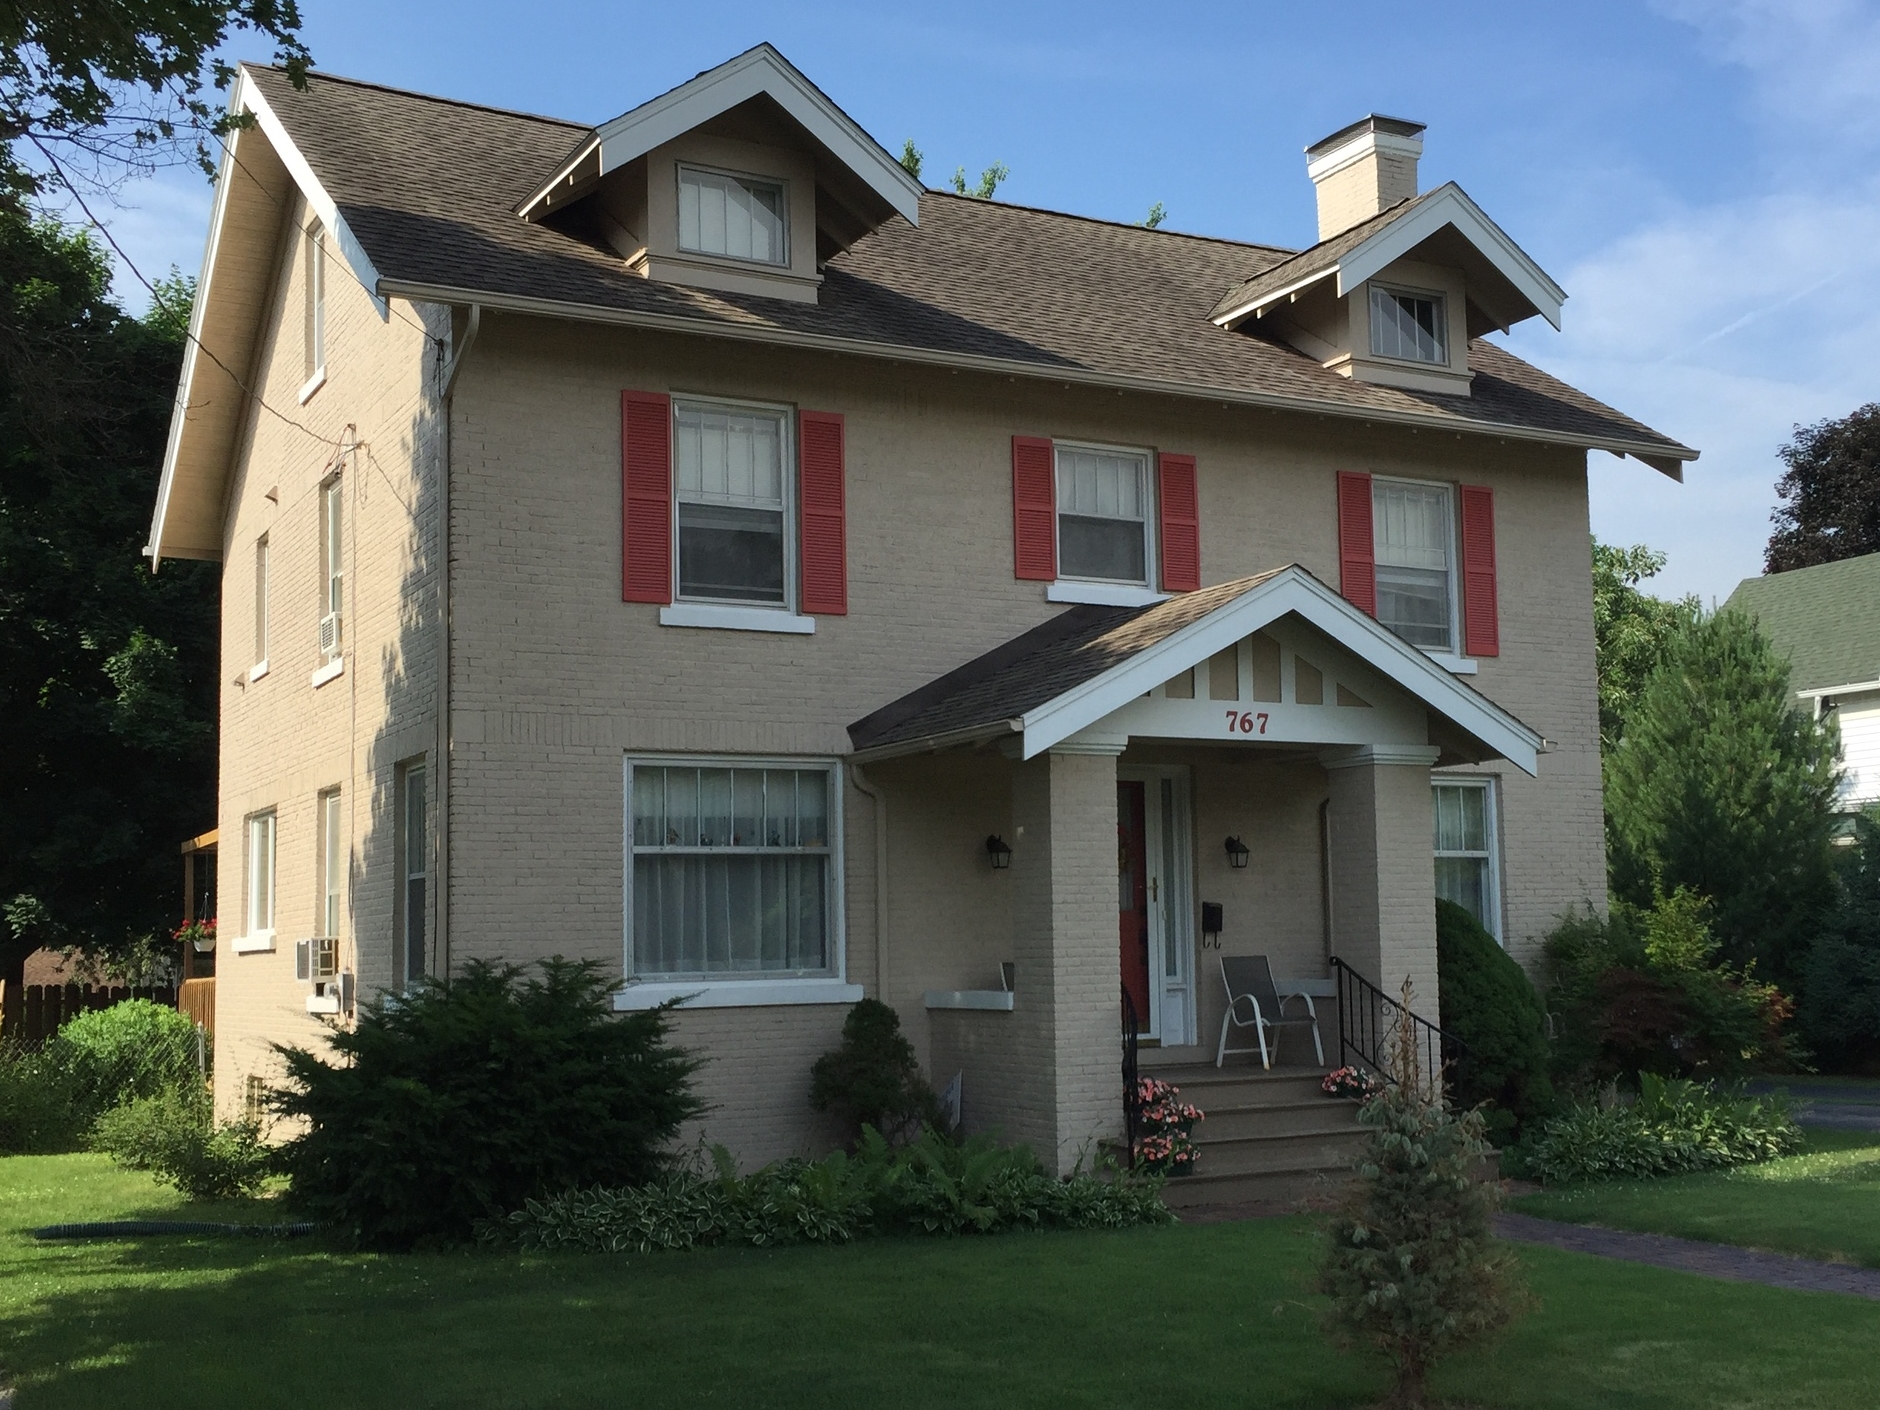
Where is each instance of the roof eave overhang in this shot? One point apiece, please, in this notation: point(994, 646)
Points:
point(761, 70)
point(1005, 367)
point(933, 743)
point(1291, 590)
point(245, 98)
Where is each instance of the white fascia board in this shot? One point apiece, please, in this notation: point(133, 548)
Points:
point(192, 344)
point(1451, 206)
point(1856, 688)
point(1291, 590)
point(1258, 306)
point(761, 70)
point(316, 195)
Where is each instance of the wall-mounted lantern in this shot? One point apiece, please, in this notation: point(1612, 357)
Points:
point(1236, 854)
point(998, 853)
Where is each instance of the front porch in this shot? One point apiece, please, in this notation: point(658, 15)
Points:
point(1115, 752)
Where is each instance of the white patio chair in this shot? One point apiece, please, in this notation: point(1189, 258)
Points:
point(1253, 1002)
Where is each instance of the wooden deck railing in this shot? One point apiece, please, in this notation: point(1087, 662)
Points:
point(196, 999)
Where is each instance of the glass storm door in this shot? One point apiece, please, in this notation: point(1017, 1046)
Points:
point(1132, 875)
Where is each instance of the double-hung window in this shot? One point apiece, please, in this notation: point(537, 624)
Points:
point(1103, 515)
point(260, 667)
point(733, 870)
point(315, 314)
point(332, 864)
point(260, 926)
point(1408, 325)
point(332, 507)
point(1413, 527)
point(733, 217)
point(731, 472)
point(413, 843)
point(1465, 849)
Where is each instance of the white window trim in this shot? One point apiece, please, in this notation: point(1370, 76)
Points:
point(332, 670)
point(1105, 592)
point(255, 940)
point(724, 616)
point(785, 609)
point(1442, 305)
point(1491, 824)
point(316, 308)
point(732, 991)
point(755, 178)
point(1453, 653)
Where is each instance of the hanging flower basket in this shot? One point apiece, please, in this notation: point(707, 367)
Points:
point(199, 935)
point(1164, 1124)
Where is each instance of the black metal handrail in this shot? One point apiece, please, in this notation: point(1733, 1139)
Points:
point(1132, 1103)
point(1368, 1020)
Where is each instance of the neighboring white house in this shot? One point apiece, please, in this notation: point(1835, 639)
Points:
point(1827, 620)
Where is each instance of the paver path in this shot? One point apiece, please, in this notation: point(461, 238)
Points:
point(1739, 1265)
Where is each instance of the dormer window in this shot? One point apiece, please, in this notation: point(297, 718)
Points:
point(734, 217)
point(1408, 325)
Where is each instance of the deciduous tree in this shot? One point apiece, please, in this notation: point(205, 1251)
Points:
point(1830, 493)
point(1631, 629)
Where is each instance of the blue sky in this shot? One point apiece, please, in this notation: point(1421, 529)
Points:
point(1700, 175)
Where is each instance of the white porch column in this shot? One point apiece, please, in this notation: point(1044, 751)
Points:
point(1064, 923)
point(1383, 867)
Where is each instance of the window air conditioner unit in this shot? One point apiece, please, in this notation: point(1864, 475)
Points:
point(329, 634)
point(316, 961)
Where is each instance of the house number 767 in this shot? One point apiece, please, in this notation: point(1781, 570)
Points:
point(1246, 722)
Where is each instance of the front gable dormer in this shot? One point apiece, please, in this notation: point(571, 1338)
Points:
point(745, 179)
point(1399, 282)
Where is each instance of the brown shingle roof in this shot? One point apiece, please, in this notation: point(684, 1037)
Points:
point(1031, 669)
point(1319, 258)
point(429, 187)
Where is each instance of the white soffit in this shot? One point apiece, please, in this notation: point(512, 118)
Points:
point(1292, 590)
point(761, 70)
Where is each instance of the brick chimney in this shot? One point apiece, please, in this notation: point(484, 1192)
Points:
point(1363, 169)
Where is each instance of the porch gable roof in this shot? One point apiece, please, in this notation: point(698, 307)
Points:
point(1065, 675)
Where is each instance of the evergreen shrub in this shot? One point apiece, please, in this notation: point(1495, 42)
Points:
point(873, 1078)
point(1491, 1007)
point(1840, 1013)
point(459, 1102)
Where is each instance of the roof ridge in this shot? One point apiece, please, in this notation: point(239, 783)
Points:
point(1117, 224)
point(428, 97)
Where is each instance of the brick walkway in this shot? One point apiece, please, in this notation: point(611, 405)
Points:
point(1739, 1265)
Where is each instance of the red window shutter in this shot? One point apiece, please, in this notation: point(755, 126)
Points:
point(1181, 524)
point(1034, 509)
point(646, 497)
point(1481, 622)
point(1357, 550)
point(822, 540)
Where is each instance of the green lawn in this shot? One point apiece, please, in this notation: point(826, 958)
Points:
point(1199, 1316)
point(1823, 1203)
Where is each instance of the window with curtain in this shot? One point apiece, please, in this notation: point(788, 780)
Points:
point(1465, 852)
point(261, 874)
point(733, 216)
point(1408, 325)
point(730, 468)
point(732, 870)
point(1413, 527)
point(1103, 514)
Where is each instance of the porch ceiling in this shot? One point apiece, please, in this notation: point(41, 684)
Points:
point(1302, 664)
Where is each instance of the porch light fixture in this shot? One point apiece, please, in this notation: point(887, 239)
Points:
point(1237, 854)
point(998, 853)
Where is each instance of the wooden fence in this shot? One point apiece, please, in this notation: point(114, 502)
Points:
point(196, 999)
point(49, 1005)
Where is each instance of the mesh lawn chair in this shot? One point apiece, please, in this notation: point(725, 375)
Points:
point(1252, 1002)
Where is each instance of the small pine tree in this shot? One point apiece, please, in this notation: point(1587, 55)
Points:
point(1413, 1269)
point(874, 1078)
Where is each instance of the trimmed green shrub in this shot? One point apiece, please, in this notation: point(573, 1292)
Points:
point(1676, 1125)
point(1411, 1265)
point(874, 1079)
point(133, 1049)
point(174, 1136)
point(1840, 1013)
point(38, 1112)
point(459, 1102)
point(929, 1186)
point(1488, 1004)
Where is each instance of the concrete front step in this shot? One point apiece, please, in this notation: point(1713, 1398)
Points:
point(1242, 1086)
point(1231, 1116)
point(1247, 1155)
point(1287, 1185)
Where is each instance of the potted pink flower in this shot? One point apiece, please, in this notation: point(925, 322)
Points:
point(1352, 1082)
point(1164, 1123)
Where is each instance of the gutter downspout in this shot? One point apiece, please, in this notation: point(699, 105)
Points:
point(872, 791)
point(472, 324)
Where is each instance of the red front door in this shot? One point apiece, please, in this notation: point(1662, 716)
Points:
point(1132, 868)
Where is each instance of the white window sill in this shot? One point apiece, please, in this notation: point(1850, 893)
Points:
point(257, 671)
point(312, 385)
point(1103, 594)
point(330, 671)
point(996, 1000)
point(255, 944)
point(1455, 665)
point(737, 993)
point(735, 619)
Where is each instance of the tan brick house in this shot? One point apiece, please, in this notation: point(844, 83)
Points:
point(690, 544)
